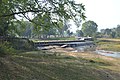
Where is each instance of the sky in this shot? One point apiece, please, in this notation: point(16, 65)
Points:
point(106, 13)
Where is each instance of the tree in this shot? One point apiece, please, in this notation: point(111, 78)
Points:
point(108, 32)
point(89, 28)
point(118, 31)
point(44, 12)
point(27, 30)
point(22, 29)
point(69, 33)
point(48, 33)
point(79, 33)
point(113, 34)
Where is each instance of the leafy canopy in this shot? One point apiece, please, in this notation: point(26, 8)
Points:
point(89, 28)
point(42, 13)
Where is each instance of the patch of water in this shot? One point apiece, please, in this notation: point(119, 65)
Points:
point(108, 53)
point(85, 48)
point(93, 48)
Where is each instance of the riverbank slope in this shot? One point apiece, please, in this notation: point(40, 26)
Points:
point(59, 64)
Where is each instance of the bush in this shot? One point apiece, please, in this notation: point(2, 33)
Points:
point(10, 45)
point(6, 49)
point(21, 43)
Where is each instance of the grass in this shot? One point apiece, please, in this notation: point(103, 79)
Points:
point(45, 65)
point(57, 38)
point(109, 44)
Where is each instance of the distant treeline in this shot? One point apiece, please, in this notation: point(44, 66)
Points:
point(110, 32)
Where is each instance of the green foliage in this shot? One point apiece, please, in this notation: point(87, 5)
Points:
point(25, 28)
point(118, 31)
point(89, 28)
point(21, 44)
point(62, 30)
point(6, 49)
point(107, 32)
point(79, 33)
point(11, 45)
point(111, 32)
point(44, 13)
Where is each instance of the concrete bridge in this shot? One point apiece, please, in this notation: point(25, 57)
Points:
point(68, 43)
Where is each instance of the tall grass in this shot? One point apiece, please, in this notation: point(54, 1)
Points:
point(109, 44)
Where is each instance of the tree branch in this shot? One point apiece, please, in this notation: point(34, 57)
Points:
point(7, 15)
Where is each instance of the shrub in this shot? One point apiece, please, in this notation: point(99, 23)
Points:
point(6, 49)
point(10, 45)
point(21, 43)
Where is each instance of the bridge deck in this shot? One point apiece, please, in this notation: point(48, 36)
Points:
point(60, 43)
